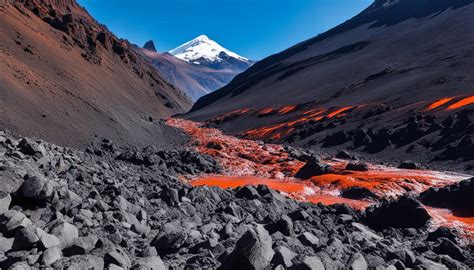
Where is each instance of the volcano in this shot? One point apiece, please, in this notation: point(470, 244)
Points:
point(374, 76)
point(66, 78)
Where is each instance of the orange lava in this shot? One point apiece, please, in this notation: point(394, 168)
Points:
point(287, 109)
point(239, 181)
point(438, 103)
point(232, 114)
point(444, 217)
point(462, 103)
point(239, 156)
point(385, 181)
point(331, 199)
point(264, 111)
point(248, 162)
point(341, 110)
point(297, 190)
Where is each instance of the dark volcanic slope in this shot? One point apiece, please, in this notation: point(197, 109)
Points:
point(195, 80)
point(395, 52)
point(65, 78)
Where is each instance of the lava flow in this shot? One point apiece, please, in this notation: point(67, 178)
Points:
point(248, 162)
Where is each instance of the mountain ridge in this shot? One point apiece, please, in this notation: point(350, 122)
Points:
point(78, 77)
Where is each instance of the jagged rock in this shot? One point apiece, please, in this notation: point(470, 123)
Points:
point(313, 168)
point(252, 251)
point(343, 155)
point(283, 225)
point(6, 244)
point(48, 240)
point(410, 165)
point(449, 248)
point(117, 257)
point(150, 45)
point(5, 201)
point(51, 255)
point(12, 221)
point(358, 193)
point(299, 215)
point(31, 148)
point(170, 196)
point(283, 256)
point(66, 233)
point(308, 239)
point(362, 167)
point(358, 262)
point(82, 245)
point(37, 187)
point(170, 238)
point(310, 263)
point(25, 238)
point(457, 197)
point(247, 192)
point(443, 232)
point(405, 212)
point(11, 181)
point(150, 263)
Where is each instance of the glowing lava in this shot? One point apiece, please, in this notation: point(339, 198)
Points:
point(438, 103)
point(462, 103)
point(248, 162)
point(337, 112)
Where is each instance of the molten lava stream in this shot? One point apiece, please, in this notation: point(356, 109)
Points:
point(462, 103)
point(247, 162)
point(438, 103)
point(445, 217)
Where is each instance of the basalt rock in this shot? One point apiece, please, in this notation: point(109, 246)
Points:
point(404, 212)
point(358, 193)
point(457, 197)
point(313, 168)
point(359, 166)
point(108, 213)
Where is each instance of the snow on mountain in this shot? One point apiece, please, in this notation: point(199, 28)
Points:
point(202, 49)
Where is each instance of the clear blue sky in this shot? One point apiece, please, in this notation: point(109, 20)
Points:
point(252, 28)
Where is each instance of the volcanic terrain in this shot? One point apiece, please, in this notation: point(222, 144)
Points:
point(394, 82)
point(65, 78)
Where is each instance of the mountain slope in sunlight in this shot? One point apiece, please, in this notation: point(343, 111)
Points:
point(67, 79)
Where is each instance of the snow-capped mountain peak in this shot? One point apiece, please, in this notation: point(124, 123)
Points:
point(203, 49)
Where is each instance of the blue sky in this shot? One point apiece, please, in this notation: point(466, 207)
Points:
point(252, 28)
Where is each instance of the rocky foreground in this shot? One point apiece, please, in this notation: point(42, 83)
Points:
point(117, 208)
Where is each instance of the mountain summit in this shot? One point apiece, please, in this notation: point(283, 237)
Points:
point(150, 45)
point(204, 51)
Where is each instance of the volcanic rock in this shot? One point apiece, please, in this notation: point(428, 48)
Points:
point(447, 247)
point(38, 187)
point(5, 201)
point(457, 197)
point(51, 255)
point(252, 251)
point(308, 239)
point(362, 167)
point(404, 212)
point(11, 182)
point(410, 165)
point(283, 256)
point(283, 225)
point(117, 257)
point(358, 193)
point(343, 155)
point(170, 238)
point(65, 232)
point(313, 168)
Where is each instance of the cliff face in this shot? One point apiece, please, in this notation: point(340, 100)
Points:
point(78, 77)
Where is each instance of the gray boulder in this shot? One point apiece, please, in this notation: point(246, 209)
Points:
point(252, 251)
